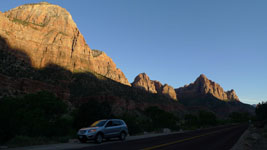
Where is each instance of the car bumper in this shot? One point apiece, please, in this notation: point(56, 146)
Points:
point(87, 137)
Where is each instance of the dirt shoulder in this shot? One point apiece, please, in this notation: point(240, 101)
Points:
point(252, 139)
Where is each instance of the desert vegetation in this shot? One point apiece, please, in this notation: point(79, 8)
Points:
point(47, 119)
point(261, 114)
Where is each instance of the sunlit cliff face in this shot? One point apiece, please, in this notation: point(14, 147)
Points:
point(48, 35)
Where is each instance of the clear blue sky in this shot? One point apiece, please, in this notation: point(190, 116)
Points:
point(174, 41)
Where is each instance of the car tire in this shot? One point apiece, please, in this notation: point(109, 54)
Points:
point(99, 138)
point(122, 136)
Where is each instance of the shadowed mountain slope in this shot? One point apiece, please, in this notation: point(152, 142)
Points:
point(19, 77)
point(48, 35)
point(41, 49)
point(208, 95)
point(142, 81)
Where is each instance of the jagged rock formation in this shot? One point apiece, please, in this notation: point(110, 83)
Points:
point(203, 86)
point(142, 81)
point(169, 91)
point(48, 35)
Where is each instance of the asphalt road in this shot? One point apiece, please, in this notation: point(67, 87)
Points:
point(218, 138)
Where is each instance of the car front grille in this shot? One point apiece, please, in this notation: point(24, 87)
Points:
point(82, 131)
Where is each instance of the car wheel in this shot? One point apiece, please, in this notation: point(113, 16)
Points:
point(99, 138)
point(123, 136)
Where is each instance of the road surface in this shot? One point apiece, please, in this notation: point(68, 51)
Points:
point(218, 138)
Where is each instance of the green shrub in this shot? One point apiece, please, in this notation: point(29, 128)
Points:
point(90, 112)
point(207, 119)
point(239, 117)
point(34, 115)
point(134, 122)
point(96, 52)
point(190, 122)
point(261, 111)
point(159, 119)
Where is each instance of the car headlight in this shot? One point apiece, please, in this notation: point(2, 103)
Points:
point(92, 130)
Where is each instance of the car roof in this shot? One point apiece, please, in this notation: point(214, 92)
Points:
point(114, 119)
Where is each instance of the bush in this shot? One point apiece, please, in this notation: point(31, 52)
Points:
point(238, 117)
point(90, 112)
point(134, 122)
point(207, 119)
point(261, 111)
point(159, 119)
point(190, 122)
point(34, 115)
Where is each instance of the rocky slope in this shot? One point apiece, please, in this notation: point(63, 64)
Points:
point(48, 35)
point(142, 81)
point(203, 86)
point(204, 94)
point(41, 49)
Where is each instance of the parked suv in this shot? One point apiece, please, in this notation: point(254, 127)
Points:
point(110, 128)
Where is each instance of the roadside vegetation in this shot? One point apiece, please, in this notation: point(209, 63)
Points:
point(261, 115)
point(42, 118)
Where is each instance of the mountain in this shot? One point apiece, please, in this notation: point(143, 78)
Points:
point(142, 81)
point(48, 35)
point(202, 87)
point(205, 94)
point(41, 49)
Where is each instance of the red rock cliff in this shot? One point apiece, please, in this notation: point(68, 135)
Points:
point(48, 35)
point(203, 86)
point(143, 81)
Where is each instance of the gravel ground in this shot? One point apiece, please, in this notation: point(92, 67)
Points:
point(252, 139)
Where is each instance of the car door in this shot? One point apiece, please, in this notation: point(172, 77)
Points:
point(109, 130)
point(117, 127)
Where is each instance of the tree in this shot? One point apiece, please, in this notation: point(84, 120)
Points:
point(161, 119)
point(239, 117)
point(207, 118)
point(90, 112)
point(38, 114)
point(261, 111)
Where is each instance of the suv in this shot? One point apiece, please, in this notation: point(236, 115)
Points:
point(101, 129)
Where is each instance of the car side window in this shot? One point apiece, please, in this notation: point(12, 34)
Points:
point(116, 123)
point(109, 124)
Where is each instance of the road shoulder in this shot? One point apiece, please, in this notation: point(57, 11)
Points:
point(253, 138)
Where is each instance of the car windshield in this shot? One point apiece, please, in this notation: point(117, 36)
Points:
point(98, 123)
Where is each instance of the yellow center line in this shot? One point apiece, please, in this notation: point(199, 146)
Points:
point(182, 140)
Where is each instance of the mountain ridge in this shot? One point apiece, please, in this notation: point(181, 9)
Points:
point(203, 86)
point(48, 34)
point(39, 52)
point(142, 81)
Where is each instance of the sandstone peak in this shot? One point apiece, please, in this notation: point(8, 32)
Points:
point(202, 76)
point(44, 3)
point(143, 81)
point(232, 95)
point(48, 35)
point(204, 86)
point(169, 91)
point(42, 15)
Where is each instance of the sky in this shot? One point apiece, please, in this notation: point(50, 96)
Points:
point(174, 41)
